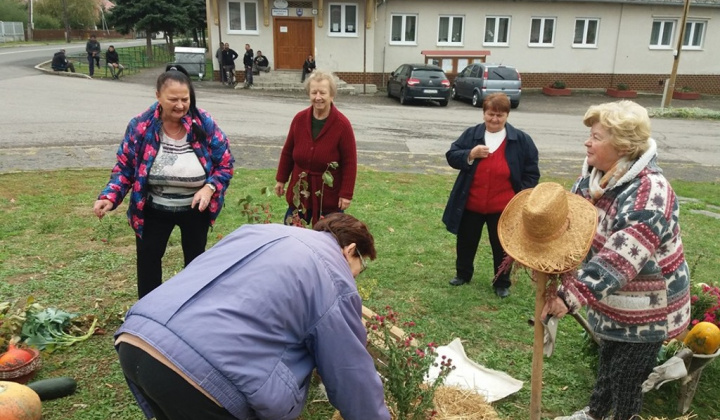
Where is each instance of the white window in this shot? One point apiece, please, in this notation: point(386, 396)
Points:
point(662, 34)
point(243, 17)
point(497, 30)
point(694, 34)
point(586, 32)
point(450, 30)
point(343, 19)
point(542, 32)
point(404, 29)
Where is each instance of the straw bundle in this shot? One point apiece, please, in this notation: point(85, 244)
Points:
point(453, 403)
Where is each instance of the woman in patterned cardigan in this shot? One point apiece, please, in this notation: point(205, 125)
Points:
point(634, 281)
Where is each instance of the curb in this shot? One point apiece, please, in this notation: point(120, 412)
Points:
point(43, 67)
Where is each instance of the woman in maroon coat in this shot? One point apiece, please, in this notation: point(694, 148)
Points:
point(318, 136)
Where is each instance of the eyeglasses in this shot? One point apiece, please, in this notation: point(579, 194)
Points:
point(362, 260)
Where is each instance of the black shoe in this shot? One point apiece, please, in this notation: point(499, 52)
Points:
point(457, 281)
point(502, 292)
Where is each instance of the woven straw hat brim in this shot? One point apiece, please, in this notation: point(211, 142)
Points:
point(554, 256)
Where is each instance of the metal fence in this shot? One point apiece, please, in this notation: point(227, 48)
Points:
point(11, 31)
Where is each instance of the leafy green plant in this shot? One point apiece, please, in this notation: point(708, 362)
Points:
point(623, 86)
point(686, 89)
point(50, 328)
point(405, 366)
point(301, 192)
point(558, 84)
point(256, 212)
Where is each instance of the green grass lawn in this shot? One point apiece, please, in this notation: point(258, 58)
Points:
point(53, 248)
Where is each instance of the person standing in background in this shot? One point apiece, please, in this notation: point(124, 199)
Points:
point(248, 60)
point(496, 161)
point(93, 54)
point(218, 56)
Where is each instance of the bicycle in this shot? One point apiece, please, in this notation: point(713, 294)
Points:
point(230, 76)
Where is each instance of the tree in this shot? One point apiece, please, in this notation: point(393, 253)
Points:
point(81, 14)
point(13, 11)
point(150, 16)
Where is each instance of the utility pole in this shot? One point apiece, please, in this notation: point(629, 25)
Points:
point(65, 21)
point(676, 58)
point(30, 27)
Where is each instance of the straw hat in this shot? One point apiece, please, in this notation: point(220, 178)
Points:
point(547, 228)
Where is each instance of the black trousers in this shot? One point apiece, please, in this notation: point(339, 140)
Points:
point(468, 239)
point(169, 395)
point(159, 224)
point(622, 369)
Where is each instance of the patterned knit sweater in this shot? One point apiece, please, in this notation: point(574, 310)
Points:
point(634, 281)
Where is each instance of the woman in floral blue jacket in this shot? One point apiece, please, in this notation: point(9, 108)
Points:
point(176, 163)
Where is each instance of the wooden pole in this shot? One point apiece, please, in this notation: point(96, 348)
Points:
point(538, 344)
point(676, 56)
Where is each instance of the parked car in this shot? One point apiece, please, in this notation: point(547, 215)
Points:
point(479, 80)
point(419, 82)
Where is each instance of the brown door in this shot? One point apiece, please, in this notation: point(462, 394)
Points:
point(294, 41)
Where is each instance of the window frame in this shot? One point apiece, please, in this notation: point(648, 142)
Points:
point(586, 25)
point(343, 20)
point(693, 23)
point(495, 42)
point(664, 22)
point(451, 23)
point(243, 30)
point(540, 43)
point(403, 27)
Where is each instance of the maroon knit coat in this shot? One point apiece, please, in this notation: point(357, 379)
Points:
point(335, 143)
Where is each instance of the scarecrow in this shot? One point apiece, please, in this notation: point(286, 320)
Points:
point(548, 230)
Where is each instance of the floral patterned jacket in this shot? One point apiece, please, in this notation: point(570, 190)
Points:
point(137, 152)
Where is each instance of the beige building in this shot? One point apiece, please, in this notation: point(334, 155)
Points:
point(593, 44)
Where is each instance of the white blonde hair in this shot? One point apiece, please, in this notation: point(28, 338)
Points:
point(627, 122)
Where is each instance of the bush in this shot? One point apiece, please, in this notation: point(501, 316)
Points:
point(623, 86)
point(47, 22)
point(686, 89)
point(558, 84)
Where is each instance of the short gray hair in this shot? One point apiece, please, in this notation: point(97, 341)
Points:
point(319, 76)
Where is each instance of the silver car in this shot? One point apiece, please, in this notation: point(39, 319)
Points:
point(479, 80)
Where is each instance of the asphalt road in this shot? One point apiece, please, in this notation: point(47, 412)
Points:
point(53, 122)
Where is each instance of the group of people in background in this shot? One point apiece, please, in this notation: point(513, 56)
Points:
point(253, 64)
point(61, 62)
point(292, 315)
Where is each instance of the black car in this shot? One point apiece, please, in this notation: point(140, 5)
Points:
point(419, 82)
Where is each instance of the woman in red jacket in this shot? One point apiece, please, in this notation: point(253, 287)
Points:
point(319, 137)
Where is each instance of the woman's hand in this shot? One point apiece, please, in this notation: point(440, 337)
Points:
point(343, 203)
point(279, 189)
point(201, 199)
point(101, 207)
point(479, 152)
point(555, 306)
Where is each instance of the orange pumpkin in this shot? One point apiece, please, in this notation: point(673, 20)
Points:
point(703, 338)
point(19, 402)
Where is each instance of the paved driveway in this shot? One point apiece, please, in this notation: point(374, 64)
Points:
point(61, 122)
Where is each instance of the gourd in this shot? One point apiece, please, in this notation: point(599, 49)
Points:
point(14, 357)
point(49, 389)
point(703, 338)
point(18, 402)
